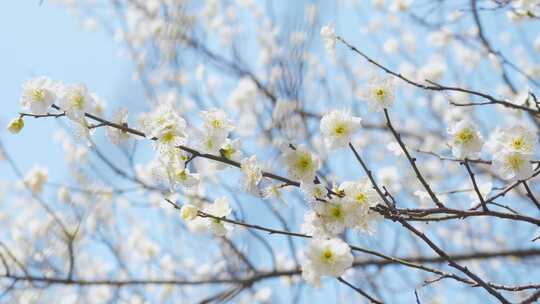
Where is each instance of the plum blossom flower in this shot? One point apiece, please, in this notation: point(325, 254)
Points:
point(517, 139)
point(166, 126)
point(312, 191)
point(466, 141)
point(252, 173)
point(186, 178)
point(329, 37)
point(220, 208)
point(38, 95)
point(513, 165)
point(335, 215)
point(337, 128)
point(216, 122)
point(117, 136)
point(75, 100)
point(301, 164)
point(36, 178)
point(379, 93)
point(326, 257)
point(188, 212)
point(361, 193)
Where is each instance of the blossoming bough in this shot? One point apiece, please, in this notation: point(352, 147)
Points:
point(334, 211)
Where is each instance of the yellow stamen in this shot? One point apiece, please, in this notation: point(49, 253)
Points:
point(518, 143)
point(380, 94)
point(340, 129)
point(515, 161)
point(327, 255)
point(465, 136)
point(38, 95)
point(336, 212)
point(216, 123)
point(167, 137)
point(361, 198)
point(77, 101)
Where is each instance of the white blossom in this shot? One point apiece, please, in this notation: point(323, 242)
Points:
point(326, 257)
point(252, 174)
point(466, 141)
point(75, 100)
point(231, 149)
point(518, 138)
point(117, 136)
point(188, 212)
point(513, 165)
point(329, 37)
point(379, 93)
point(36, 178)
point(186, 178)
point(301, 164)
point(525, 7)
point(361, 193)
point(243, 97)
point(337, 128)
point(38, 94)
point(217, 123)
point(335, 215)
point(220, 208)
point(313, 192)
point(210, 142)
point(272, 191)
point(167, 126)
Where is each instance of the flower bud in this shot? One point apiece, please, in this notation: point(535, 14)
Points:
point(16, 125)
point(188, 212)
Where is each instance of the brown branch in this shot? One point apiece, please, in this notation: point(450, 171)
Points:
point(370, 175)
point(452, 263)
point(530, 195)
point(473, 180)
point(439, 87)
point(412, 161)
point(360, 291)
point(359, 263)
point(460, 214)
point(413, 262)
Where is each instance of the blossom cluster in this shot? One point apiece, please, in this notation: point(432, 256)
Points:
point(332, 209)
point(512, 148)
point(275, 101)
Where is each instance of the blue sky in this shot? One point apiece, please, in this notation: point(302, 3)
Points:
point(47, 40)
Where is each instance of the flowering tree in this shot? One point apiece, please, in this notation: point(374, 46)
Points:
point(292, 159)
